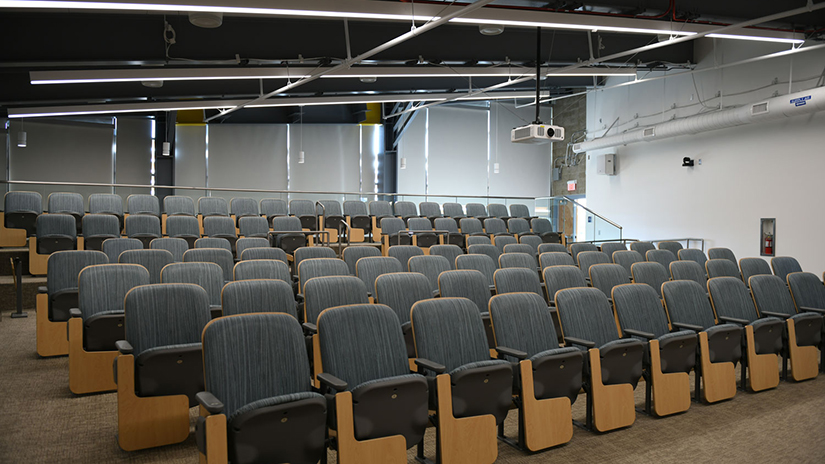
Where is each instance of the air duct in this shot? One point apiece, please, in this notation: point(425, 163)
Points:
point(808, 101)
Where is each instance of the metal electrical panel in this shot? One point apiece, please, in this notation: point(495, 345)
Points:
point(606, 164)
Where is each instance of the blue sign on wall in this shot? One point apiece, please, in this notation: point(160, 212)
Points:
point(801, 100)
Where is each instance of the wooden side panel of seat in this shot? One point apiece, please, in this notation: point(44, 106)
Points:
point(671, 392)
point(51, 336)
point(89, 371)
point(719, 379)
point(389, 450)
point(547, 422)
point(469, 440)
point(147, 422)
point(613, 405)
point(217, 450)
point(11, 237)
point(804, 359)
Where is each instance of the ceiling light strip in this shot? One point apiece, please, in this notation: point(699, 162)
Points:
point(197, 74)
point(390, 11)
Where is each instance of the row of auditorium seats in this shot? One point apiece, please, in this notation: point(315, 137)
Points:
point(448, 321)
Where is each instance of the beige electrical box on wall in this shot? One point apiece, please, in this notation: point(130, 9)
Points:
point(606, 164)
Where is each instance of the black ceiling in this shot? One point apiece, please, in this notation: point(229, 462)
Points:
point(51, 40)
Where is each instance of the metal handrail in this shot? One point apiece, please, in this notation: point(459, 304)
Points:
point(224, 189)
point(592, 212)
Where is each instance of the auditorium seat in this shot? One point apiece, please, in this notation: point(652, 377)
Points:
point(258, 404)
point(521, 248)
point(400, 291)
point(518, 210)
point(672, 247)
point(430, 210)
point(453, 210)
point(352, 254)
point(544, 229)
point(379, 210)
point(722, 268)
point(304, 210)
point(476, 210)
point(176, 246)
point(650, 273)
point(212, 206)
point(332, 217)
point(557, 278)
point(219, 256)
point(454, 355)
point(249, 242)
point(368, 269)
point(208, 276)
point(286, 234)
point(693, 254)
point(753, 266)
point(553, 248)
point(720, 346)
point(184, 227)
point(393, 232)
point(627, 258)
point(273, 207)
point(670, 356)
point(516, 259)
point(498, 210)
point(97, 228)
point(663, 257)
point(319, 267)
point(20, 210)
point(152, 260)
point(96, 324)
point(55, 232)
point(478, 240)
point(614, 364)
point(68, 203)
point(213, 242)
point(802, 336)
point(160, 365)
point(177, 205)
point(688, 270)
point(431, 266)
point(309, 253)
point(253, 226)
point(143, 204)
point(241, 207)
point(585, 259)
point(721, 253)
point(264, 253)
point(107, 203)
point(258, 296)
point(762, 337)
point(422, 237)
point(472, 285)
point(555, 258)
point(606, 277)
point(451, 252)
point(113, 247)
point(220, 227)
point(368, 389)
point(405, 210)
point(548, 378)
point(272, 269)
point(642, 247)
point(609, 248)
point(358, 218)
point(577, 248)
point(144, 227)
point(58, 297)
point(784, 265)
point(403, 253)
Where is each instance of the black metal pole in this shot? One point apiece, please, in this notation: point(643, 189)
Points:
point(538, 72)
point(18, 273)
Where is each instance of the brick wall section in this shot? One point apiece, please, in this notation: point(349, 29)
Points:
point(570, 113)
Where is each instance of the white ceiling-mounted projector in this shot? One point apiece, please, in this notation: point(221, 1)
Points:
point(537, 134)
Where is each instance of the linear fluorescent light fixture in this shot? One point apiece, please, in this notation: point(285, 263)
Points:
point(165, 75)
point(388, 12)
point(755, 38)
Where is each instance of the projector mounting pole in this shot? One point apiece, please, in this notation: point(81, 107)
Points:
point(538, 72)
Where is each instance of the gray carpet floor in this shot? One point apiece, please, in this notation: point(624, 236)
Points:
point(41, 421)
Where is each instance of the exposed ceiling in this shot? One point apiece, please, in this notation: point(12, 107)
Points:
point(94, 40)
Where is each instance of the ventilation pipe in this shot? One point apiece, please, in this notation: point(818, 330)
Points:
point(808, 101)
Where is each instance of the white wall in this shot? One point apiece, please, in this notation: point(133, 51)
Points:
point(750, 172)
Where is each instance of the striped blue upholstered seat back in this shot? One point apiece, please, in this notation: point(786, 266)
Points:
point(606, 276)
point(142, 225)
point(312, 252)
point(176, 246)
point(722, 268)
point(258, 296)
point(403, 253)
point(208, 276)
point(250, 242)
point(429, 209)
point(477, 262)
point(476, 210)
point(354, 208)
point(626, 259)
point(497, 210)
point(453, 210)
point(465, 284)
point(521, 321)
point(264, 253)
point(254, 226)
point(360, 343)
point(585, 313)
point(650, 273)
point(517, 279)
point(380, 208)
point(639, 307)
point(673, 247)
point(807, 290)
point(242, 206)
point(687, 302)
point(541, 225)
point(731, 298)
point(692, 254)
point(321, 293)
point(561, 277)
point(784, 265)
point(722, 253)
point(518, 226)
point(165, 314)
point(152, 260)
point(213, 242)
point(329, 208)
point(368, 269)
point(106, 203)
point(103, 287)
point(495, 226)
point(642, 247)
point(771, 294)
point(321, 267)
point(405, 209)
point(261, 269)
point(56, 225)
point(490, 250)
point(113, 247)
point(101, 225)
point(354, 253)
point(753, 266)
point(451, 252)
point(401, 290)
point(182, 226)
point(688, 270)
point(271, 207)
point(68, 203)
point(219, 226)
point(177, 205)
point(254, 357)
point(300, 208)
point(219, 256)
point(143, 204)
point(449, 331)
point(555, 258)
point(470, 226)
point(63, 268)
point(212, 206)
point(522, 259)
point(22, 202)
point(518, 210)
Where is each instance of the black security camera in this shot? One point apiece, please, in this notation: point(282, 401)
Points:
point(687, 162)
